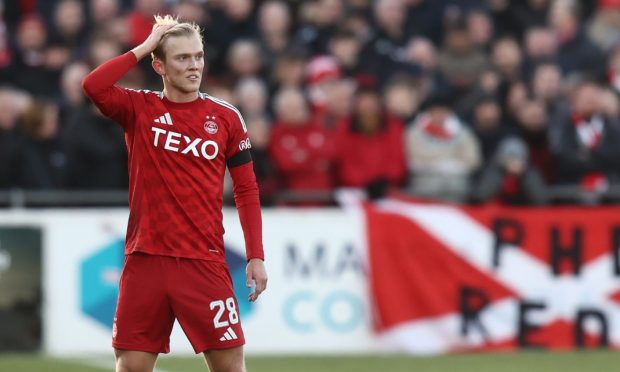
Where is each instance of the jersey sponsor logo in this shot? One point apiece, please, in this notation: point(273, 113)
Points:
point(245, 144)
point(177, 142)
point(210, 125)
point(229, 335)
point(164, 119)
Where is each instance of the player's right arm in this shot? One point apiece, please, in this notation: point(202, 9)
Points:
point(113, 101)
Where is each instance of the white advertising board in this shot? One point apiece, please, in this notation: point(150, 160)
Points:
point(316, 301)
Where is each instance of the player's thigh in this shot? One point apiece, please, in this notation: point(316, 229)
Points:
point(225, 360)
point(204, 303)
point(144, 318)
point(134, 361)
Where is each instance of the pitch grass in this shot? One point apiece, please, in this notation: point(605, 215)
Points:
point(585, 361)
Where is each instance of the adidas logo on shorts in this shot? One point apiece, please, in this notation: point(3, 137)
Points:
point(229, 335)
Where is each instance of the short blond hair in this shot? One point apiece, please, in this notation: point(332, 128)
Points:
point(179, 29)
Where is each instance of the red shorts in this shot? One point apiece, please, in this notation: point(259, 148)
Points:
point(154, 290)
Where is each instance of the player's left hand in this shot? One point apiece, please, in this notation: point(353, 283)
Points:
point(255, 272)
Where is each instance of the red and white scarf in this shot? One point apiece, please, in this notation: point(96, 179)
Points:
point(589, 132)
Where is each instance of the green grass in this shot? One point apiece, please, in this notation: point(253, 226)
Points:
point(590, 361)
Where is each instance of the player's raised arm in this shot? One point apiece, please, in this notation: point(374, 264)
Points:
point(109, 73)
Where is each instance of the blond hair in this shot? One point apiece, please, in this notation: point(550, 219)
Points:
point(178, 29)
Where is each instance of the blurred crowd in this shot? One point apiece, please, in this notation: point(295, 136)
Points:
point(467, 101)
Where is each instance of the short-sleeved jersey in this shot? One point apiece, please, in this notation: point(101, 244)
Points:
point(177, 159)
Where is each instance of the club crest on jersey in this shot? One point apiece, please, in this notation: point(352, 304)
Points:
point(210, 125)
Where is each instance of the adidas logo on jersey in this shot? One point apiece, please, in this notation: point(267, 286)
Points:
point(164, 119)
point(229, 335)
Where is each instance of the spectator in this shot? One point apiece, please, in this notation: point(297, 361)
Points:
point(300, 149)
point(604, 29)
point(610, 104)
point(459, 61)
point(423, 17)
point(369, 146)
point(587, 144)
point(321, 73)
point(509, 178)
point(488, 126)
point(28, 69)
point(103, 11)
point(507, 59)
point(539, 46)
point(40, 161)
point(402, 98)
point(345, 47)
point(339, 97)
point(275, 25)
point(251, 97)
point(244, 59)
point(577, 53)
point(140, 19)
point(613, 69)
point(319, 19)
point(12, 105)
point(97, 158)
point(442, 153)
point(420, 52)
point(289, 69)
point(480, 27)
point(381, 56)
point(259, 132)
point(190, 11)
point(69, 31)
point(533, 128)
point(71, 83)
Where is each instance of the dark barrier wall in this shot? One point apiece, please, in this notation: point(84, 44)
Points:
point(20, 289)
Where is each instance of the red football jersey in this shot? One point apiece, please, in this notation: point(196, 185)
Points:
point(177, 155)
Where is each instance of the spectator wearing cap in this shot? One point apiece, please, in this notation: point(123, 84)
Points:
point(300, 149)
point(369, 145)
point(442, 153)
point(509, 178)
point(586, 144)
point(321, 73)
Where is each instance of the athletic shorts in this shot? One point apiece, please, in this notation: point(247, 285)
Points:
point(154, 290)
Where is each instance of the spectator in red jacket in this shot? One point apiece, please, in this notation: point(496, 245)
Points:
point(299, 147)
point(369, 146)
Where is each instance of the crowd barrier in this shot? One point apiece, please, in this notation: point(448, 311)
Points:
point(391, 276)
